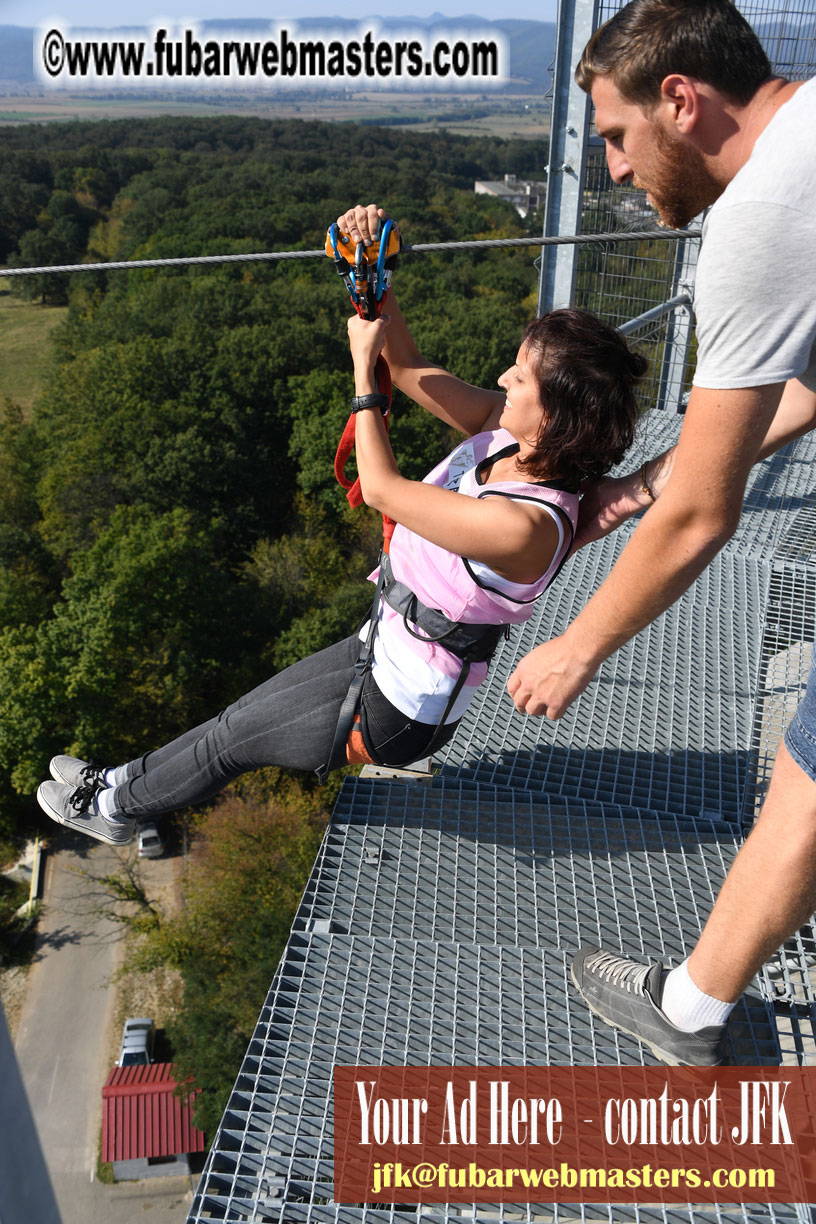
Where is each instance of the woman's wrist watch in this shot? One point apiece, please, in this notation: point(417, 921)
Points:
point(375, 399)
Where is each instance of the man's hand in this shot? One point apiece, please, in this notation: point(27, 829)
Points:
point(549, 679)
point(361, 222)
point(605, 504)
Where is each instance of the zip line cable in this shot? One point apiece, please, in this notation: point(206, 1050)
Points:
point(417, 248)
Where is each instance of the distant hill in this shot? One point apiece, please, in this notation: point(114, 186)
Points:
point(16, 54)
point(531, 43)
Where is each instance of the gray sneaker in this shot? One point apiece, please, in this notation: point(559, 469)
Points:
point(627, 993)
point(71, 771)
point(75, 808)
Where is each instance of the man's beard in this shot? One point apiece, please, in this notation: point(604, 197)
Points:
point(680, 185)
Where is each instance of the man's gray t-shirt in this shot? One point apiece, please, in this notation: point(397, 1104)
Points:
point(755, 296)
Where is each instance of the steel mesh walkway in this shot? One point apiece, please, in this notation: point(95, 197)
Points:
point(353, 1000)
point(529, 872)
point(389, 963)
point(635, 736)
point(441, 916)
point(778, 520)
point(678, 719)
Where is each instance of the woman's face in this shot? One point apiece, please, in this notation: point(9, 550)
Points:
point(523, 409)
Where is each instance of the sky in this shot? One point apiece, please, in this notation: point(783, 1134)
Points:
point(101, 14)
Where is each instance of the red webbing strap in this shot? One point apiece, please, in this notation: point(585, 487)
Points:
point(345, 446)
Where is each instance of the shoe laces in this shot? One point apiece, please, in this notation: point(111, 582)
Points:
point(86, 792)
point(620, 971)
point(83, 797)
point(93, 774)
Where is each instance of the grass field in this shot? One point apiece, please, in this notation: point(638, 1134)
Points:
point(519, 116)
point(25, 328)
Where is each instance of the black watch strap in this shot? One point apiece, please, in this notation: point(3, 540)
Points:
point(376, 399)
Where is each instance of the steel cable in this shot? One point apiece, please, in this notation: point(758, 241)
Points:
point(416, 248)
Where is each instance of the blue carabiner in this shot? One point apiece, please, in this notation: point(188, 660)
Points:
point(381, 283)
point(342, 264)
point(334, 230)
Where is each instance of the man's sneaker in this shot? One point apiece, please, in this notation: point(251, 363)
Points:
point(75, 807)
point(627, 994)
point(71, 771)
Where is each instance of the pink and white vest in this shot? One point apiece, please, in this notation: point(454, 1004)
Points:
point(417, 676)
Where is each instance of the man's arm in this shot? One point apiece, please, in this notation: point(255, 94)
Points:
point(612, 501)
point(697, 511)
point(795, 416)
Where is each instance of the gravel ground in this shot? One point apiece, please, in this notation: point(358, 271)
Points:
point(13, 984)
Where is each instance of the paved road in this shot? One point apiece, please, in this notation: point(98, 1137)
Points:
point(62, 1045)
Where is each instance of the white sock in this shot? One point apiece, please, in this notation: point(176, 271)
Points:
point(686, 1006)
point(106, 805)
point(115, 775)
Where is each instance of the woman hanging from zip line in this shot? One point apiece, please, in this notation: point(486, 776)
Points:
point(477, 543)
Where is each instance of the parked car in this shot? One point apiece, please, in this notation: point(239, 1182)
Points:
point(138, 1040)
point(149, 842)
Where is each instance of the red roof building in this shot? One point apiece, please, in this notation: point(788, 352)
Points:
point(142, 1121)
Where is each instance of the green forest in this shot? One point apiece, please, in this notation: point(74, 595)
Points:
point(170, 529)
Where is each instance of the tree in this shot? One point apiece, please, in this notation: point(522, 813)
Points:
point(58, 245)
point(170, 529)
point(140, 635)
point(33, 707)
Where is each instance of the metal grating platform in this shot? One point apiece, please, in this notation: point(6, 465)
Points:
point(798, 544)
point(780, 505)
point(529, 871)
point(666, 724)
point(351, 1000)
point(440, 918)
point(780, 497)
point(306, 1212)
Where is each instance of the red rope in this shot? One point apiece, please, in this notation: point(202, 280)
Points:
point(354, 495)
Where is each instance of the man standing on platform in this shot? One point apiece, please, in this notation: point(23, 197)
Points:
point(690, 110)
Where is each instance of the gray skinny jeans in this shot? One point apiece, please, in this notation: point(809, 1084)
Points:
point(288, 720)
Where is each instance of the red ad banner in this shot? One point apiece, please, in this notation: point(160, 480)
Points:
point(575, 1134)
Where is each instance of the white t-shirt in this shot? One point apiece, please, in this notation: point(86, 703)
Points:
point(755, 296)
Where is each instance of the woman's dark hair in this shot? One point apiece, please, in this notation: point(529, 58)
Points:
point(586, 377)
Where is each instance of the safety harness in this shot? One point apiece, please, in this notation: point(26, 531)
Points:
point(471, 643)
point(367, 281)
